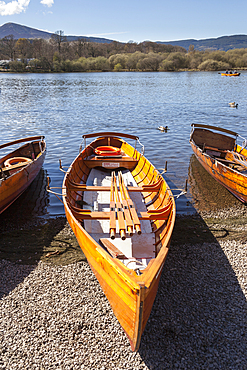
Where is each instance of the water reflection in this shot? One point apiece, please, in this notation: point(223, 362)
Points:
point(32, 204)
point(207, 193)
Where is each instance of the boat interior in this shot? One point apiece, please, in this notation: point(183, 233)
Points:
point(14, 161)
point(220, 147)
point(121, 200)
point(137, 249)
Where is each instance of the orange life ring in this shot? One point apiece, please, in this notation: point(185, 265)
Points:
point(107, 151)
point(16, 160)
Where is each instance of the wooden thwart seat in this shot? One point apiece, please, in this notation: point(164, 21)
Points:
point(74, 186)
point(206, 147)
point(157, 214)
point(114, 162)
point(121, 209)
point(87, 214)
point(112, 249)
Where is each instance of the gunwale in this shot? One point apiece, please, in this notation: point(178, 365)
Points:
point(124, 288)
point(232, 179)
point(16, 178)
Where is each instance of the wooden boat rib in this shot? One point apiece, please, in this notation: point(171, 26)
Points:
point(19, 168)
point(222, 157)
point(122, 213)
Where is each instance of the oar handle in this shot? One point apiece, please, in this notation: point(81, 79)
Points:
point(138, 229)
point(123, 234)
point(112, 234)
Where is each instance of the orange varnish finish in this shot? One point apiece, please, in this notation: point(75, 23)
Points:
point(223, 169)
point(18, 179)
point(232, 180)
point(131, 296)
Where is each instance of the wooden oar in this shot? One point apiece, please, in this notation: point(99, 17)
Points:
point(131, 206)
point(120, 213)
point(236, 159)
point(112, 211)
point(127, 214)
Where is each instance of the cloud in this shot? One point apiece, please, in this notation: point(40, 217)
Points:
point(48, 3)
point(13, 7)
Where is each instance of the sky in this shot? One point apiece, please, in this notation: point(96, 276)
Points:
point(130, 20)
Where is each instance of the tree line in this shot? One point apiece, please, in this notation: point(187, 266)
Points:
point(59, 55)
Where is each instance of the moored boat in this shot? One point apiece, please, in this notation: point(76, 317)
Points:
point(19, 168)
point(122, 213)
point(218, 152)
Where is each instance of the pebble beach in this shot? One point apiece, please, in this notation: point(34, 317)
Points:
point(57, 317)
point(53, 312)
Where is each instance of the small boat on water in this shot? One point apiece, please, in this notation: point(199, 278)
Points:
point(19, 168)
point(231, 74)
point(122, 213)
point(222, 157)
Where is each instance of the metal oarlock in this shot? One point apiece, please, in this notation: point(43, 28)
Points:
point(244, 144)
point(49, 189)
point(182, 191)
point(61, 167)
point(143, 148)
point(164, 170)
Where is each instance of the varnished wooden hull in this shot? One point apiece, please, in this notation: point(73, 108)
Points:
point(130, 296)
point(232, 179)
point(19, 179)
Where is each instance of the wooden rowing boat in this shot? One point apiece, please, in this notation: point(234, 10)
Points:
point(230, 74)
point(19, 168)
point(222, 157)
point(122, 213)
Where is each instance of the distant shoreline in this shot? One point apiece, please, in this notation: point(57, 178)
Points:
point(122, 71)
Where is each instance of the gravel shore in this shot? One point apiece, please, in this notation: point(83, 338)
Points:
point(57, 317)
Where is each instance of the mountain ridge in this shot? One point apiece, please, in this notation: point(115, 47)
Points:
point(21, 31)
point(218, 43)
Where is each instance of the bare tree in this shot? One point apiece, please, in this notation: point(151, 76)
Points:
point(38, 47)
point(58, 37)
point(23, 48)
point(8, 46)
point(79, 47)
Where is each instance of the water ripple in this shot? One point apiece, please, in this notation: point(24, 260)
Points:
point(63, 107)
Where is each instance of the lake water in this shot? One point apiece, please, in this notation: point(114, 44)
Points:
point(63, 107)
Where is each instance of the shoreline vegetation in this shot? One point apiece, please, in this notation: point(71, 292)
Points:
point(59, 55)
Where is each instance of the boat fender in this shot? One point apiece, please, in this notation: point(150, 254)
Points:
point(107, 150)
point(16, 160)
